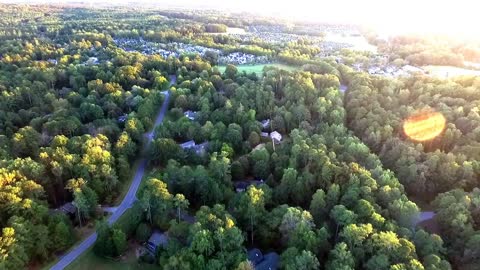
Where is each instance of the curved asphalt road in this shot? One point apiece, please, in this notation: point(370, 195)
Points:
point(129, 198)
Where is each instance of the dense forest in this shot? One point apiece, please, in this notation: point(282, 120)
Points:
point(429, 50)
point(282, 161)
point(376, 108)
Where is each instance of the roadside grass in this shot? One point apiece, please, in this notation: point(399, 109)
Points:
point(128, 261)
point(258, 69)
point(80, 235)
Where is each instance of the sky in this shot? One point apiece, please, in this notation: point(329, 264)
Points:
point(393, 16)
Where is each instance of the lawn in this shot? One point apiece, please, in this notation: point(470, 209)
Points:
point(259, 68)
point(90, 261)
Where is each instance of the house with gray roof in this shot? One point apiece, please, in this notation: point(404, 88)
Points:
point(269, 261)
point(190, 115)
point(156, 240)
point(242, 186)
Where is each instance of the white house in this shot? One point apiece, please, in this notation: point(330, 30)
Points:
point(53, 61)
point(92, 61)
point(276, 137)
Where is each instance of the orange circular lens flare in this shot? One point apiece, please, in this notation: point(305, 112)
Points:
point(424, 126)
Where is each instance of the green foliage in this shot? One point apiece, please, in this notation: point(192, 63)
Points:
point(111, 242)
point(70, 129)
point(292, 259)
point(143, 232)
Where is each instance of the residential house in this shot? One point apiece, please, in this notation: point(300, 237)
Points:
point(276, 137)
point(255, 256)
point(92, 61)
point(156, 240)
point(268, 262)
point(190, 115)
point(198, 148)
point(265, 123)
point(187, 145)
point(53, 61)
point(122, 118)
point(68, 209)
point(242, 186)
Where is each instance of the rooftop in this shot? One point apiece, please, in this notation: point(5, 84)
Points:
point(261, 262)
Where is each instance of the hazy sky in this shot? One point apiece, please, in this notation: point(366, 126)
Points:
point(452, 16)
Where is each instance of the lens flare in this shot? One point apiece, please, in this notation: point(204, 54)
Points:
point(424, 126)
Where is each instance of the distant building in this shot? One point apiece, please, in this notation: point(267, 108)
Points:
point(122, 118)
point(261, 262)
point(411, 69)
point(92, 61)
point(374, 70)
point(53, 61)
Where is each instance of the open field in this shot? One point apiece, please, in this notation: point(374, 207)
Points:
point(259, 68)
point(449, 71)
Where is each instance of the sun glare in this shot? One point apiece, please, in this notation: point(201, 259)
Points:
point(424, 126)
point(456, 18)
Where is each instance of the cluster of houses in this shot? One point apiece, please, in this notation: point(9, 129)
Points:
point(90, 61)
point(265, 28)
point(239, 58)
point(274, 135)
point(144, 47)
point(273, 37)
point(175, 49)
point(329, 47)
point(393, 71)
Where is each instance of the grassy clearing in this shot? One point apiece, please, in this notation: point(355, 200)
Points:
point(258, 69)
point(449, 71)
point(90, 261)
